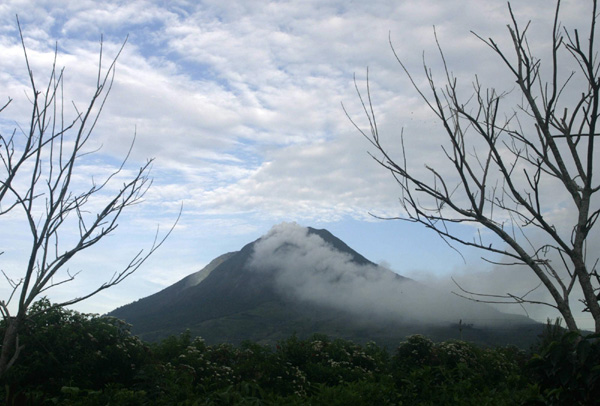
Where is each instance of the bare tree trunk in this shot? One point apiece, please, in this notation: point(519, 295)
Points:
point(36, 175)
point(503, 160)
point(10, 344)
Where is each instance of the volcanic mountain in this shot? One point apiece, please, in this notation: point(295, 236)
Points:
point(303, 280)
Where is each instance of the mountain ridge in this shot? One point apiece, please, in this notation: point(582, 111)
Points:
point(304, 280)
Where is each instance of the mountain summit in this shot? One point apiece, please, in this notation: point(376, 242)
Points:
point(302, 280)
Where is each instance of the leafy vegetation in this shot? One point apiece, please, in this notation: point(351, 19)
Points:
point(82, 359)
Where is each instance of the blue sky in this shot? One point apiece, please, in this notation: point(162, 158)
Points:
point(239, 102)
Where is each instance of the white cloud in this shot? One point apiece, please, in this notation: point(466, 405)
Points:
point(308, 268)
point(240, 101)
point(216, 90)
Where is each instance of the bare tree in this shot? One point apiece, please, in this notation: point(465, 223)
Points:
point(37, 183)
point(510, 165)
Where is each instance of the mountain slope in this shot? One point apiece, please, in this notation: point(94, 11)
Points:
point(303, 280)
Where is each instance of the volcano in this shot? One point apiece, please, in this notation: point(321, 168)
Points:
point(301, 280)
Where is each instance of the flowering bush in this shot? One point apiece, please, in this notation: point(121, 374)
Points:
point(96, 361)
point(79, 350)
point(444, 373)
point(415, 351)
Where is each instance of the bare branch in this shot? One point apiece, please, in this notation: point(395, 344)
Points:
point(45, 164)
point(507, 173)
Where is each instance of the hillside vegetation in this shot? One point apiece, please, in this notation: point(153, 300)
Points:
point(81, 359)
point(303, 280)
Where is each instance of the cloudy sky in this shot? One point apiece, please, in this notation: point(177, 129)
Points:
point(239, 102)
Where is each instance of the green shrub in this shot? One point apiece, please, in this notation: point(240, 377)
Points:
point(568, 371)
point(456, 372)
point(96, 361)
point(81, 350)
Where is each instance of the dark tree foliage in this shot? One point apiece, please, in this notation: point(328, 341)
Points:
point(568, 370)
point(66, 348)
point(82, 359)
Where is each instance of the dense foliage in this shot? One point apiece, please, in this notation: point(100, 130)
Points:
point(71, 358)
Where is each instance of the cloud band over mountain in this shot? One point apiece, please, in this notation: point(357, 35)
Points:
point(307, 267)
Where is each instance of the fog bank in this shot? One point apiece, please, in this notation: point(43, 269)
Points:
point(307, 267)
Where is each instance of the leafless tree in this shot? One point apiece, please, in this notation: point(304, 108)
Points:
point(511, 164)
point(37, 184)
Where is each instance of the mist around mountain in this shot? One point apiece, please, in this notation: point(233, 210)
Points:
point(302, 280)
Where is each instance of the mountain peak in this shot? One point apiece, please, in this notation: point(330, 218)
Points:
point(298, 279)
point(304, 239)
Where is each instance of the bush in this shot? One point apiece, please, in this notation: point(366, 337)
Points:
point(456, 372)
point(81, 350)
point(568, 371)
point(96, 361)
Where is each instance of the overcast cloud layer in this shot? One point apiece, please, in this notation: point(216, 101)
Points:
point(240, 104)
